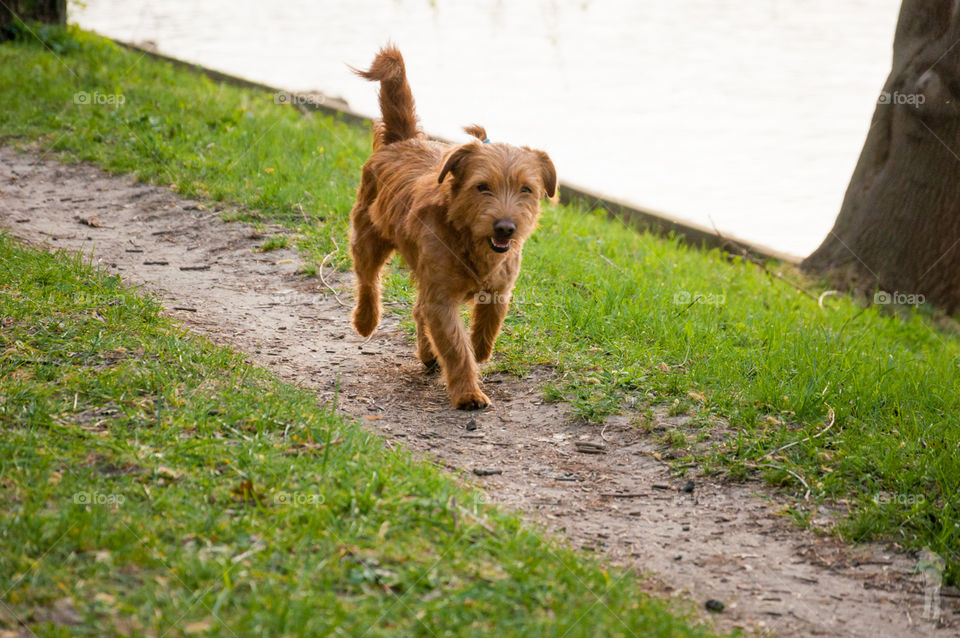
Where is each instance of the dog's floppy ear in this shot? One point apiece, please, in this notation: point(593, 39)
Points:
point(456, 160)
point(548, 173)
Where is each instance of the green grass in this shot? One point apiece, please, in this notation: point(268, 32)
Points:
point(274, 243)
point(148, 119)
point(156, 484)
point(622, 317)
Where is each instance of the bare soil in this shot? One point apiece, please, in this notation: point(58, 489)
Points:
point(726, 541)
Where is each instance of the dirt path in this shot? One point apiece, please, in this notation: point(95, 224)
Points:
point(721, 541)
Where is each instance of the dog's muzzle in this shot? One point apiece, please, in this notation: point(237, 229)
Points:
point(503, 230)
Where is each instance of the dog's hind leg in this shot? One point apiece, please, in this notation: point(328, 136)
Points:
point(370, 251)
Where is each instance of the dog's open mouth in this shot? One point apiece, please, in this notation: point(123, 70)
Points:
point(499, 245)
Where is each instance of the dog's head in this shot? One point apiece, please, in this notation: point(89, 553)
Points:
point(495, 191)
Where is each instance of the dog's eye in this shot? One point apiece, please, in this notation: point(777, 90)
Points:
point(483, 188)
point(526, 189)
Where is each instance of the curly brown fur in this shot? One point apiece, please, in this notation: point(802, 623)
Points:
point(459, 216)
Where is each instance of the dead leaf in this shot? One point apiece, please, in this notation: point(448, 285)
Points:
point(62, 612)
point(169, 473)
point(91, 221)
point(199, 626)
point(696, 396)
point(246, 493)
point(105, 598)
point(590, 447)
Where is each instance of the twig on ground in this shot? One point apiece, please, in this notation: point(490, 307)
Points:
point(602, 431)
point(777, 275)
point(606, 259)
point(455, 507)
point(824, 295)
point(323, 262)
point(831, 418)
point(774, 466)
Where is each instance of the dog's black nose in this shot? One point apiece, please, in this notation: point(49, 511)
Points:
point(504, 227)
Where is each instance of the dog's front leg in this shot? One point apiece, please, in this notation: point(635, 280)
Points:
point(452, 347)
point(488, 313)
point(424, 347)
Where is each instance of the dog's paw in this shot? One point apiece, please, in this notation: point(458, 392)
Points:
point(483, 356)
point(475, 400)
point(365, 322)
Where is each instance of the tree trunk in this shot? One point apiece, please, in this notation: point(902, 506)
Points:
point(50, 11)
point(899, 227)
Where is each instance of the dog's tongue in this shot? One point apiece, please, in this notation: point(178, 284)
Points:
point(501, 243)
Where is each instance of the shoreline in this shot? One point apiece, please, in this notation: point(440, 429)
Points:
point(640, 218)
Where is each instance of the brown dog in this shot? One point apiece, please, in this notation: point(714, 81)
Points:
point(458, 215)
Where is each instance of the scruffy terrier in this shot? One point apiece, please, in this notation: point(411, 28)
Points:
point(458, 215)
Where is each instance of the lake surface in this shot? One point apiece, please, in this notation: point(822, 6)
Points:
point(746, 115)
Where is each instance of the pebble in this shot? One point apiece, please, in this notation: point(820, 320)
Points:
point(714, 605)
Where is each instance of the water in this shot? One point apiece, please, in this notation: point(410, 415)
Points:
point(746, 115)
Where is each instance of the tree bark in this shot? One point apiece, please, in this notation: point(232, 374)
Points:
point(898, 229)
point(49, 11)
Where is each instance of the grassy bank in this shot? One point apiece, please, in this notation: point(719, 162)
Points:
point(155, 484)
point(623, 318)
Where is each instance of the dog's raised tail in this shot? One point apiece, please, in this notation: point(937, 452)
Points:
point(396, 101)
